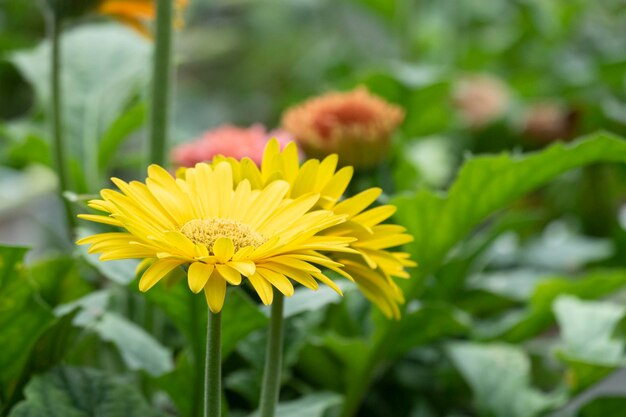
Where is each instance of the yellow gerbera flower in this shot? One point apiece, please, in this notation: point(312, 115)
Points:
point(220, 231)
point(370, 263)
point(136, 13)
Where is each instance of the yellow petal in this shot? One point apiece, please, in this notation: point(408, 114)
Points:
point(335, 187)
point(156, 271)
point(245, 268)
point(278, 280)
point(229, 274)
point(198, 276)
point(376, 215)
point(223, 249)
point(357, 203)
point(215, 292)
point(262, 287)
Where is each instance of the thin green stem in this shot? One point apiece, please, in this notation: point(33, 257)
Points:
point(58, 149)
point(161, 83)
point(213, 367)
point(270, 388)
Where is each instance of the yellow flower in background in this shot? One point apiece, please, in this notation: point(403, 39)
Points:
point(356, 125)
point(138, 13)
point(220, 231)
point(370, 262)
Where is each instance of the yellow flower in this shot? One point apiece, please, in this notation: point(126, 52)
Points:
point(137, 13)
point(356, 125)
point(370, 263)
point(220, 231)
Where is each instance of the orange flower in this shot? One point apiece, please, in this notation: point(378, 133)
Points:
point(356, 125)
point(137, 13)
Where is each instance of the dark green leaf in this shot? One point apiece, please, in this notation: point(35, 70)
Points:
point(81, 392)
point(24, 316)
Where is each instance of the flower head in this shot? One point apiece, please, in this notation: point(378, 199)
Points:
point(228, 140)
point(356, 125)
point(547, 122)
point(481, 99)
point(137, 13)
point(370, 262)
point(221, 232)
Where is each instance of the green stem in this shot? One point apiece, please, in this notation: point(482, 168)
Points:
point(54, 26)
point(273, 359)
point(213, 367)
point(161, 77)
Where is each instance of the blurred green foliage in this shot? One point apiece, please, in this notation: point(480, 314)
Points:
point(517, 307)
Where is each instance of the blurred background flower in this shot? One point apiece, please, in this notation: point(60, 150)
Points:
point(229, 141)
point(480, 99)
point(546, 122)
point(138, 14)
point(356, 125)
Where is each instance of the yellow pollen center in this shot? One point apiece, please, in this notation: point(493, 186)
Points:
point(207, 231)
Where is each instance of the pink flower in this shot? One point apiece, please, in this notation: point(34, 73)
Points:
point(481, 99)
point(228, 140)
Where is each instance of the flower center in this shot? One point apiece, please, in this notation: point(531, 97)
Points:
point(207, 231)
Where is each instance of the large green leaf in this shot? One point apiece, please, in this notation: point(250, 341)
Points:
point(24, 316)
point(588, 347)
point(96, 87)
point(81, 392)
point(486, 184)
point(137, 347)
point(499, 376)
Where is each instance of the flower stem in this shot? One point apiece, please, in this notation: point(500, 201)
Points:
point(273, 359)
point(161, 80)
point(54, 23)
point(213, 367)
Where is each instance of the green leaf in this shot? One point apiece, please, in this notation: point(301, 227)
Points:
point(486, 184)
point(586, 329)
point(81, 392)
point(24, 316)
point(429, 323)
point(114, 136)
point(306, 300)
point(499, 376)
point(138, 348)
point(96, 87)
point(518, 325)
point(588, 347)
point(240, 315)
point(313, 405)
point(604, 407)
point(10, 258)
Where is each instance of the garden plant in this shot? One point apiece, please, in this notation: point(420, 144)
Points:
point(355, 208)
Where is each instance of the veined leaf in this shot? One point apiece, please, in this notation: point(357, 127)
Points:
point(484, 185)
point(81, 392)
